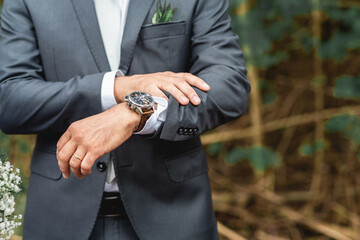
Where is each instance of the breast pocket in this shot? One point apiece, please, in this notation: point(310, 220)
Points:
point(172, 29)
point(162, 47)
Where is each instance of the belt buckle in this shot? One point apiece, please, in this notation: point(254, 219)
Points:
point(112, 206)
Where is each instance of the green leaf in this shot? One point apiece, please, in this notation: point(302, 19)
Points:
point(353, 130)
point(154, 19)
point(348, 125)
point(338, 123)
point(215, 149)
point(269, 98)
point(168, 15)
point(347, 87)
point(163, 9)
point(157, 17)
point(164, 12)
point(158, 5)
point(262, 158)
point(309, 150)
point(24, 146)
point(236, 155)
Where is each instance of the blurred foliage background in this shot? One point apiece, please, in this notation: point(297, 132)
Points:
point(288, 168)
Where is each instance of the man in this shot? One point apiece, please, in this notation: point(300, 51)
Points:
point(69, 70)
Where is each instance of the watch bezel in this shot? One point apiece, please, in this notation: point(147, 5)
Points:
point(130, 99)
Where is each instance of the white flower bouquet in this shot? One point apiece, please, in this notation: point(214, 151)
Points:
point(9, 186)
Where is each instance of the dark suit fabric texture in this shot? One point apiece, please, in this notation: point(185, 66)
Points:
point(52, 62)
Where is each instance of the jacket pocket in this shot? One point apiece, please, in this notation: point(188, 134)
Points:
point(187, 165)
point(44, 163)
point(159, 30)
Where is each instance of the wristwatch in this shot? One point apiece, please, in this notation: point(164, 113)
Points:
point(143, 104)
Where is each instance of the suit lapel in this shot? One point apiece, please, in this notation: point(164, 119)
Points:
point(86, 14)
point(138, 10)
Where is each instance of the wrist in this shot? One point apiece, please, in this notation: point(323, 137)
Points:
point(133, 118)
point(120, 88)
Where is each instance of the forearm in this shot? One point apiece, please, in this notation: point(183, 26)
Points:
point(30, 105)
point(218, 60)
point(223, 103)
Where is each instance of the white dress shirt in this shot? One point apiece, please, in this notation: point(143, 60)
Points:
point(111, 16)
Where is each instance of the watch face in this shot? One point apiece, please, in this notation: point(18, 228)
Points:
point(141, 99)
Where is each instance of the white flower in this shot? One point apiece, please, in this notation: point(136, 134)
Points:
point(9, 181)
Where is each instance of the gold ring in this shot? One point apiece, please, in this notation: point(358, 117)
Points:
point(77, 157)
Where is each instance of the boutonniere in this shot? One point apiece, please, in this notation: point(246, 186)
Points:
point(164, 13)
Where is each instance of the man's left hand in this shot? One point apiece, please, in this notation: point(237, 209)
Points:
point(88, 139)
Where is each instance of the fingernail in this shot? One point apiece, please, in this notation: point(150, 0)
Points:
point(196, 99)
point(184, 99)
point(64, 176)
point(205, 86)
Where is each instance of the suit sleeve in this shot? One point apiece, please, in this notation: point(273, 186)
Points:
point(218, 60)
point(28, 103)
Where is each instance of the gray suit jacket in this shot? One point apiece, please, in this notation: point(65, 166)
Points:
point(52, 61)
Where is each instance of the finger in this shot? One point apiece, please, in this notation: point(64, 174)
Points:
point(64, 168)
point(77, 172)
point(63, 140)
point(189, 92)
point(64, 156)
point(87, 164)
point(67, 151)
point(174, 91)
point(75, 161)
point(195, 81)
point(156, 92)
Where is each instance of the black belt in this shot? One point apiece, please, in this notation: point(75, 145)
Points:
point(112, 206)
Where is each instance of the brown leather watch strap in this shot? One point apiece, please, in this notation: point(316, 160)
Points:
point(144, 117)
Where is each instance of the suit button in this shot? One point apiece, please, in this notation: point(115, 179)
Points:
point(191, 131)
point(180, 131)
point(196, 130)
point(101, 166)
point(186, 131)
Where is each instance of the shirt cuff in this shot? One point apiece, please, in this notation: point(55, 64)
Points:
point(107, 89)
point(157, 118)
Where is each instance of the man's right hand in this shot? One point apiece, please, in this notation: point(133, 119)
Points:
point(179, 85)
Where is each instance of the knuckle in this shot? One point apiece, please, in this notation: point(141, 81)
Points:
point(62, 156)
point(183, 75)
point(64, 161)
point(78, 136)
point(98, 153)
point(72, 127)
point(86, 167)
point(58, 145)
point(74, 164)
point(161, 85)
point(61, 166)
point(85, 171)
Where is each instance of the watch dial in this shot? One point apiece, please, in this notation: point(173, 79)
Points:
point(142, 99)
